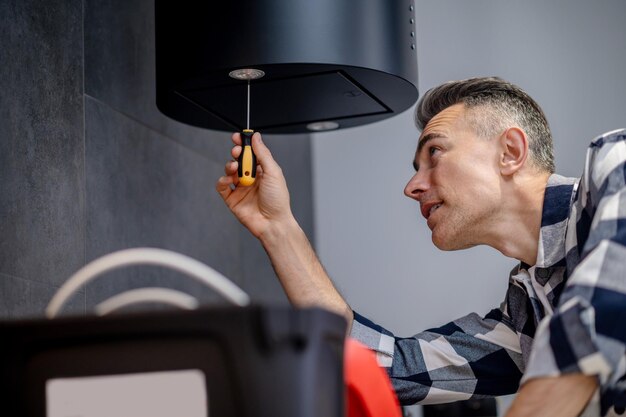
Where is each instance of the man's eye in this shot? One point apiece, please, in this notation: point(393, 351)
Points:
point(432, 150)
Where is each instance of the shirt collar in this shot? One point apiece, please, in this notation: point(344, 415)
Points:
point(557, 201)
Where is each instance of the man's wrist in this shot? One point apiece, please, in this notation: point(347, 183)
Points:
point(279, 231)
point(563, 396)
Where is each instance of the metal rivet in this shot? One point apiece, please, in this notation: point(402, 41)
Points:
point(412, 46)
point(411, 8)
point(412, 21)
point(412, 34)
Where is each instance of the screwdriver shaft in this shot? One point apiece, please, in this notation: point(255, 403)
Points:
point(248, 108)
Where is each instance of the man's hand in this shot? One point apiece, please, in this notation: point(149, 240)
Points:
point(264, 209)
point(563, 396)
point(263, 204)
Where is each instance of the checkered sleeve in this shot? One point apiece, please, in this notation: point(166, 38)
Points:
point(587, 332)
point(470, 357)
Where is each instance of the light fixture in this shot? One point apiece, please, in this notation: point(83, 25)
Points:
point(322, 126)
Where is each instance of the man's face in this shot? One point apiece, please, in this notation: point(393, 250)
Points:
point(457, 181)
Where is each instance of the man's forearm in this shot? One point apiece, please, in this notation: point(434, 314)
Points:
point(563, 396)
point(300, 272)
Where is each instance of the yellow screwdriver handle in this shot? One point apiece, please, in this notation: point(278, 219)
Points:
point(247, 159)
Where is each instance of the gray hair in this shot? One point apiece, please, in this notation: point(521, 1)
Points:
point(501, 105)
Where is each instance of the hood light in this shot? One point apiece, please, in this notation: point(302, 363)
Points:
point(322, 126)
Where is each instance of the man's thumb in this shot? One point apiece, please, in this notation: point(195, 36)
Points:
point(263, 154)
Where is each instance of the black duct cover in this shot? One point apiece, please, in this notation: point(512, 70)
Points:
point(348, 61)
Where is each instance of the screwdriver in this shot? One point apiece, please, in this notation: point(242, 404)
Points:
point(247, 159)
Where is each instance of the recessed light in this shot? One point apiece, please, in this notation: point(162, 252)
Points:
point(321, 126)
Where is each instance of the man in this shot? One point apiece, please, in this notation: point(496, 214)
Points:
point(484, 174)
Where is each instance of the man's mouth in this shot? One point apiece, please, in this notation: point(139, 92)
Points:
point(433, 208)
point(429, 208)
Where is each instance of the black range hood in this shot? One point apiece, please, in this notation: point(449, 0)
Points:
point(327, 63)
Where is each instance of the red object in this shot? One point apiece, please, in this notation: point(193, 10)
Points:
point(369, 390)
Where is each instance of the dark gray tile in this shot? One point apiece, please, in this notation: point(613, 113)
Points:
point(21, 298)
point(144, 189)
point(120, 71)
point(41, 139)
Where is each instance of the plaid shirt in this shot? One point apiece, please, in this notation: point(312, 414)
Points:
point(565, 314)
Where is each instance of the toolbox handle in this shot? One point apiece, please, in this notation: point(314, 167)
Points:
point(147, 256)
point(147, 295)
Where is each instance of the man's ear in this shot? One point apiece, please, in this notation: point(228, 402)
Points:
point(514, 150)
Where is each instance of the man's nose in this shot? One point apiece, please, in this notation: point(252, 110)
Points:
point(417, 185)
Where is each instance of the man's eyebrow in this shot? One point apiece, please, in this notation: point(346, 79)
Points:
point(426, 138)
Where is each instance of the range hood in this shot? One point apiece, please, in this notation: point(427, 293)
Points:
point(327, 63)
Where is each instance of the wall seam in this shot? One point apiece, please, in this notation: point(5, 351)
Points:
point(149, 127)
point(84, 161)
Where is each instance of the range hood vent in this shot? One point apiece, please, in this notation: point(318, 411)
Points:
point(342, 63)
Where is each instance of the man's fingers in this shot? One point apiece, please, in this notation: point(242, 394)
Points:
point(236, 137)
point(223, 186)
point(265, 165)
point(263, 154)
point(235, 151)
point(231, 168)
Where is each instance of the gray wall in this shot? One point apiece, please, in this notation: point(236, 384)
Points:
point(88, 165)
